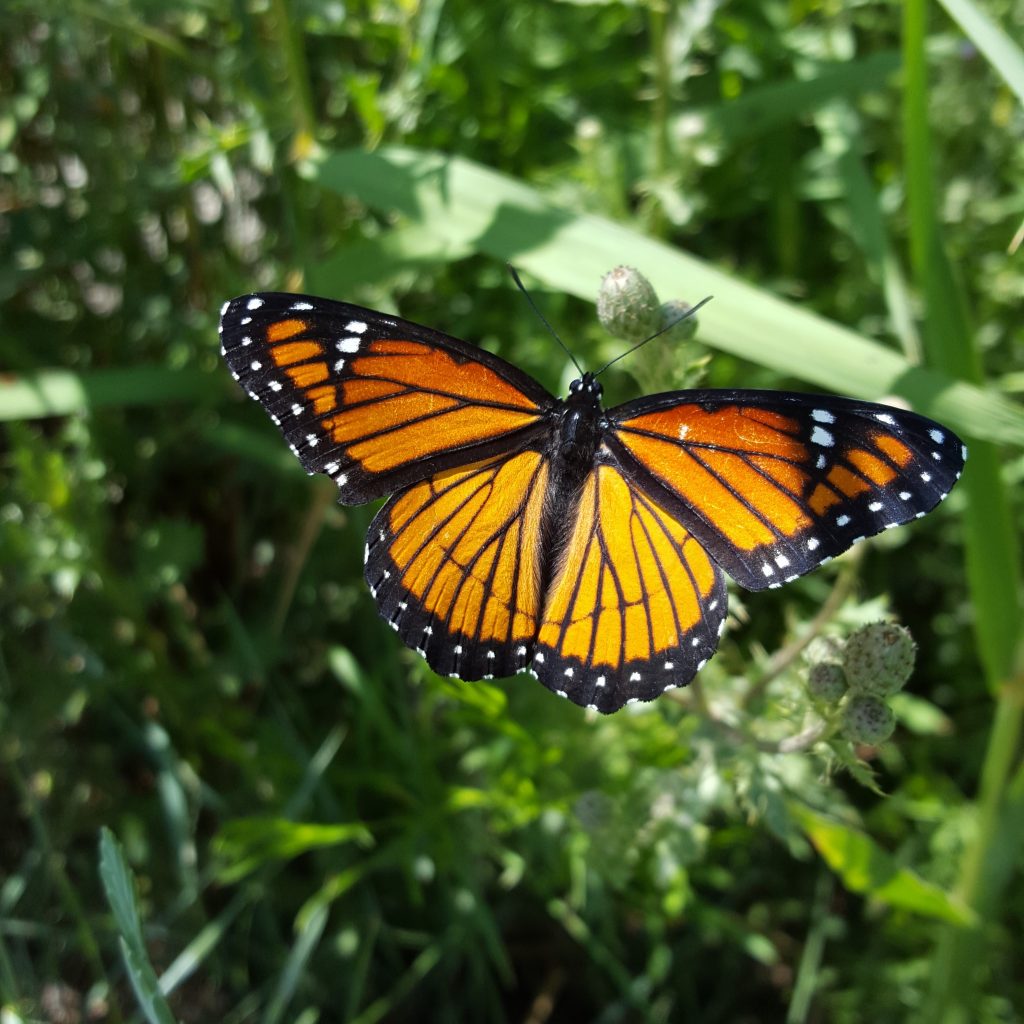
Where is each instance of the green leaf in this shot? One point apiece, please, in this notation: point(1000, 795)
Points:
point(119, 887)
point(59, 392)
point(463, 204)
point(865, 868)
point(246, 844)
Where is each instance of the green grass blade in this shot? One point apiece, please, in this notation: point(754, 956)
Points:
point(993, 564)
point(464, 203)
point(310, 934)
point(997, 46)
point(191, 958)
point(119, 887)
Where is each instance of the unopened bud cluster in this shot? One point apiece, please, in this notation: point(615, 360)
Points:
point(860, 674)
point(628, 308)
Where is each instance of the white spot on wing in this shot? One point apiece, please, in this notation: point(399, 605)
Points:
point(875, 506)
point(254, 303)
point(355, 326)
point(302, 305)
point(884, 417)
point(842, 520)
point(347, 345)
point(937, 436)
point(821, 436)
point(822, 416)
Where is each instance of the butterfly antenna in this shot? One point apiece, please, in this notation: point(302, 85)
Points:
point(543, 320)
point(657, 334)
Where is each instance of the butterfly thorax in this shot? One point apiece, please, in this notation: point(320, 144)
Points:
point(579, 430)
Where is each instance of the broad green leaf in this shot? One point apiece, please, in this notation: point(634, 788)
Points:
point(59, 392)
point(463, 204)
point(246, 844)
point(864, 867)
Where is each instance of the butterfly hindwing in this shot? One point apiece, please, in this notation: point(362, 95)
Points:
point(635, 606)
point(775, 483)
point(373, 401)
point(454, 564)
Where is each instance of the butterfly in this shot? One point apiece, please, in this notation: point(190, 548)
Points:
point(585, 546)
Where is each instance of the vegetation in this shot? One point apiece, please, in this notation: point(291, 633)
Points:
point(226, 792)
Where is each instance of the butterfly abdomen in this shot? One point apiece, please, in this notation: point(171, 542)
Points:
point(572, 447)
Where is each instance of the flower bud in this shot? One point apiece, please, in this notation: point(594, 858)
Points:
point(879, 658)
point(627, 305)
point(826, 682)
point(868, 720)
point(674, 321)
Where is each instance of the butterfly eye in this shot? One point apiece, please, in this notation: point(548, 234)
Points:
point(575, 386)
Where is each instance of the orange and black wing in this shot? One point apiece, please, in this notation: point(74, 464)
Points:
point(635, 607)
point(775, 483)
point(455, 565)
point(375, 402)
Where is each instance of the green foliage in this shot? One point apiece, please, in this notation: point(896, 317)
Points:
point(310, 825)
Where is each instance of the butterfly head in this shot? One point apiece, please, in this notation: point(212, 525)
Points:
point(585, 391)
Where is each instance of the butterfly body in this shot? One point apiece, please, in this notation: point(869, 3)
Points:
point(526, 533)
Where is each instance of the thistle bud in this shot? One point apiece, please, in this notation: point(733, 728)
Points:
point(826, 682)
point(879, 658)
point(627, 305)
point(868, 720)
point(674, 321)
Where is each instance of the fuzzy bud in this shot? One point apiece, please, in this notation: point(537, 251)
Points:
point(826, 682)
point(868, 720)
point(627, 305)
point(879, 658)
point(675, 322)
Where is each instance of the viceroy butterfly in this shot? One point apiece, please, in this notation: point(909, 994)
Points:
point(588, 547)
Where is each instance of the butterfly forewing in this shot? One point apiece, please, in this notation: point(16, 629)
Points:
point(373, 401)
point(775, 483)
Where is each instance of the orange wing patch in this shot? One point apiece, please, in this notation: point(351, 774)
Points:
point(635, 605)
point(372, 408)
point(741, 470)
point(775, 484)
point(455, 565)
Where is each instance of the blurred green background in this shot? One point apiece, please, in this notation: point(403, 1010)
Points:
point(304, 824)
